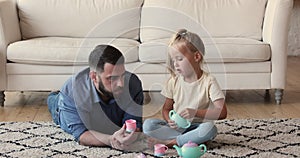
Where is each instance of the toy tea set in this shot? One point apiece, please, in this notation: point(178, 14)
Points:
point(188, 150)
point(191, 150)
point(130, 125)
point(180, 121)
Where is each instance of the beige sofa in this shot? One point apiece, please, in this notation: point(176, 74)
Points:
point(43, 42)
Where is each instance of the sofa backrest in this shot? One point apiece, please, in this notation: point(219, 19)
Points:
point(79, 18)
point(216, 18)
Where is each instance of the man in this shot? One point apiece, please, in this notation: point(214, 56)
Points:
point(94, 104)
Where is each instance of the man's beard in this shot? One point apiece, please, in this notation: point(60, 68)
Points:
point(104, 91)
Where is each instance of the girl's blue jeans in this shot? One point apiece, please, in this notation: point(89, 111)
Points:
point(197, 132)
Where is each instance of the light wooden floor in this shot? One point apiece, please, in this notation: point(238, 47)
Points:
point(31, 106)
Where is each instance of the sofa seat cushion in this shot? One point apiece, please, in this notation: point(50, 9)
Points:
point(66, 51)
point(221, 68)
point(217, 50)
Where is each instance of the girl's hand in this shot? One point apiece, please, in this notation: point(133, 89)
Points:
point(172, 124)
point(188, 113)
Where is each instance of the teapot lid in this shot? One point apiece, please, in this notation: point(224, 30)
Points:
point(190, 144)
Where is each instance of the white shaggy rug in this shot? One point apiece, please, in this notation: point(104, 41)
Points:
point(237, 138)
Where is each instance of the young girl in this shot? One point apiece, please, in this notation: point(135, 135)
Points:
point(190, 92)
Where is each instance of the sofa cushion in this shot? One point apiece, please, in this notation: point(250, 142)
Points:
point(217, 50)
point(79, 18)
point(216, 18)
point(161, 68)
point(66, 51)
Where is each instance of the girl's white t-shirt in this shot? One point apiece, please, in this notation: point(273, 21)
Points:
point(195, 95)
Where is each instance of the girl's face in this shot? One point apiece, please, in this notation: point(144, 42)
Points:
point(183, 60)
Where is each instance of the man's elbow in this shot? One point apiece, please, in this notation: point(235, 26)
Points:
point(88, 139)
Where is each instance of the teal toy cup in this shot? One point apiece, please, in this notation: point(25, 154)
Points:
point(180, 121)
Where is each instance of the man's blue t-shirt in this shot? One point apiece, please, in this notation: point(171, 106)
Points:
point(81, 108)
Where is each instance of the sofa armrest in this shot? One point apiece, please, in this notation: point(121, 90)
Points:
point(275, 32)
point(9, 32)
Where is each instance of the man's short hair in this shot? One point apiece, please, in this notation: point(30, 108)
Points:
point(104, 54)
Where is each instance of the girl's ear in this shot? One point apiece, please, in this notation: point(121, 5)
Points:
point(198, 56)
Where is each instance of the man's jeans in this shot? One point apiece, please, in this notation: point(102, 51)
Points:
point(52, 102)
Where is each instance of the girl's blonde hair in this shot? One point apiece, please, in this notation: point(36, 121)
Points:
point(191, 40)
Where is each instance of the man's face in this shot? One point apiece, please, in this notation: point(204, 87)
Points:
point(111, 81)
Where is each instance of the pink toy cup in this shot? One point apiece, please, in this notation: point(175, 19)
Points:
point(130, 125)
point(160, 149)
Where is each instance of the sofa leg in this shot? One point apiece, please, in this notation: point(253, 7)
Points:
point(278, 96)
point(267, 95)
point(2, 98)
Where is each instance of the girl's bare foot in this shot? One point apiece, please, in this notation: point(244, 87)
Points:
point(152, 141)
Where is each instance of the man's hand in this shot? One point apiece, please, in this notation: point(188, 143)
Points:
point(122, 140)
point(114, 143)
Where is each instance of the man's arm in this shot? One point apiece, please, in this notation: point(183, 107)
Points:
point(94, 138)
point(119, 140)
point(73, 124)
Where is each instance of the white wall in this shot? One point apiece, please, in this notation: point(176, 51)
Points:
point(294, 33)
